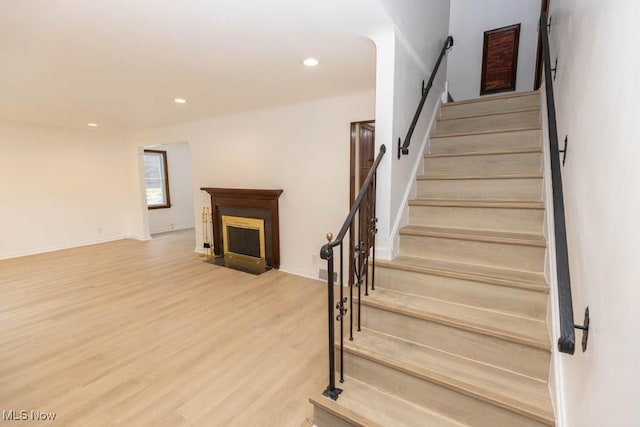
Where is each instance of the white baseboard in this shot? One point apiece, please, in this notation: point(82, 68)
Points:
point(181, 227)
point(305, 275)
point(140, 238)
point(52, 248)
point(384, 253)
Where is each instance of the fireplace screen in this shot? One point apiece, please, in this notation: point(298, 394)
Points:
point(244, 242)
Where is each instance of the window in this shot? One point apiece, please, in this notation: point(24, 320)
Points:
point(156, 179)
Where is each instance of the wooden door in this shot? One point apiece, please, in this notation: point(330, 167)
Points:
point(363, 143)
point(367, 137)
point(367, 149)
point(500, 60)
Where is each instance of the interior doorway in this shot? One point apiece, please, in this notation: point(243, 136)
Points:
point(363, 141)
point(170, 181)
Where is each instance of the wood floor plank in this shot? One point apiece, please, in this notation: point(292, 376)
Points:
point(144, 333)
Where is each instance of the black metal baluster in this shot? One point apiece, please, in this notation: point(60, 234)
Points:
point(359, 298)
point(351, 274)
point(341, 314)
point(358, 250)
point(327, 254)
point(374, 231)
point(359, 263)
point(366, 246)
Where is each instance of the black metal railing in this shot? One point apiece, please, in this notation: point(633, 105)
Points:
point(361, 225)
point(403, 148)
point(567, 340)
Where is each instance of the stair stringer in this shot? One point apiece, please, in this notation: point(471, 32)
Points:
point(556, 385)
point(402, 218)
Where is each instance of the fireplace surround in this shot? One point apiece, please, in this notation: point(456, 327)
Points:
point(258, 207)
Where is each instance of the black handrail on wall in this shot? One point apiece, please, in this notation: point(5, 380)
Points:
point(567, 340)
point(364, 246)
point(403, 148)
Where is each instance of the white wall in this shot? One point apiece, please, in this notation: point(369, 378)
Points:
point(469, 20)
point(61, 188)
point(417, 23)
point(406, 56)
point(180, 215)
point(301, 148)
point(597, 101)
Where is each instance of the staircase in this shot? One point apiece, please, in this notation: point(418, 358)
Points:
point(455, 332)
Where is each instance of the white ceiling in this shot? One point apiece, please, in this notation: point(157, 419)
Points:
point(120, 63)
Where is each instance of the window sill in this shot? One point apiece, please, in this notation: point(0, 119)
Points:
point(158, 207)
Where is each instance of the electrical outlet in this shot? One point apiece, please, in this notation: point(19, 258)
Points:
point(99, 230)
point(314, 259)
point(172, 226)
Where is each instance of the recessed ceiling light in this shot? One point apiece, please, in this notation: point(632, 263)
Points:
point(93, 125)
point(311, 62)
point(180, 101)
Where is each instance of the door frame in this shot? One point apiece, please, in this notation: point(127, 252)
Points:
point(352, 158)
point(355, 127)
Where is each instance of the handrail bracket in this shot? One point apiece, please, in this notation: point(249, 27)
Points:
point(585, 329)
point(564, 150)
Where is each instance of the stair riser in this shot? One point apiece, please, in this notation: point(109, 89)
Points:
point(526, 119)
point(484, 165)
point(499, 352)
point(487, 142)
point(517, 257)
point(504, 219)
point(527, 189)
point(488, 105)
point(451, 403)
point(493, 297)
point(323, 418)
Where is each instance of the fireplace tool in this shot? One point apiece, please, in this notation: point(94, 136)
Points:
point(207, 222)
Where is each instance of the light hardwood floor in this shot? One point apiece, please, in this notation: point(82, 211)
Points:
point(143, 333)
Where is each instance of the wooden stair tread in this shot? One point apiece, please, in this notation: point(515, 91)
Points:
point(479, 176)
point(527, 331)
point(525, 150)
point(483, 132)
point(488, 113)
point(521, 394)
point(508, 204)
point(382, 409)
point(480, 273)
point(341, 411)
point(491, 98)
point(490, 236)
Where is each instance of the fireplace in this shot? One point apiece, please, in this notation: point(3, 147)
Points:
point(244, 243)
point(246, 229)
